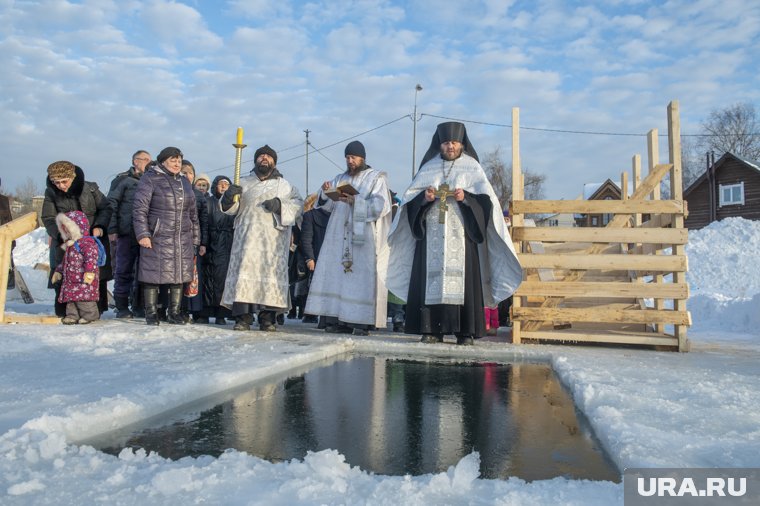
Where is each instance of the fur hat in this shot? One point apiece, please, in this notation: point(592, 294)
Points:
point(167, 153)
point(61, 170)
point(355, 148)
point(265, 149)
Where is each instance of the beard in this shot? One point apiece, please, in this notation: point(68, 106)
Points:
point(358, 168)
point(262, 171)
point(453, 156)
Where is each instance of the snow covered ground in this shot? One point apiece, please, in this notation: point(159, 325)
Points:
point(60, 385)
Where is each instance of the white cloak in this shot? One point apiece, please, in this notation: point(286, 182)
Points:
point(500, 270)
point(258, 271)
point(358, 234)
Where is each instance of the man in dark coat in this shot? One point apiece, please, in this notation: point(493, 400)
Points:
point(66, 190)
point(122, 234)
point(221, 231)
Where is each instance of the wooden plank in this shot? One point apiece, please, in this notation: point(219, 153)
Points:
point(629, 206)
point(676, 188)
point(613, 289)
point(626, 338)
point(601, 235)
point(31, 318)
point(545, 314)
point(518, 194)
point(663, 263)
point(20, 226)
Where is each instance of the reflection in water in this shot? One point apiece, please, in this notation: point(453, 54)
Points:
point(400, 417)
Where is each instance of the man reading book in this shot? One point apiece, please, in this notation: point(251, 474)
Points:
point(348, 285)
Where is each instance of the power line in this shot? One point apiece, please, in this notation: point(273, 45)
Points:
point(580, 132)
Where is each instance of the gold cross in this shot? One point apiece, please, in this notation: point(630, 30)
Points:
point(442, 192)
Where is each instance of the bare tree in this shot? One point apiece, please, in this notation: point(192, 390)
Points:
point(500, 176)
point(735, 130)
point(25, 192)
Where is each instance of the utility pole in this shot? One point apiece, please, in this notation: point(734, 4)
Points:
point(307, 160)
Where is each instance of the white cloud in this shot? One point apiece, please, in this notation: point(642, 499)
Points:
point(178, 25)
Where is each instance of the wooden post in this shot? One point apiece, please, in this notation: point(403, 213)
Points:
point(8, 233)
point(653, 153)
point(636, 167)
point(676, 193)
point(517, 219)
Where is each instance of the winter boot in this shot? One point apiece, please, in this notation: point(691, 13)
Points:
point(150, 298)
point(266, 320)
point(122, 308)
point(174, 314)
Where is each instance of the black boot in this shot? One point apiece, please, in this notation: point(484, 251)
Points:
point(150, 298)
point(122, 307)
point(174, 314)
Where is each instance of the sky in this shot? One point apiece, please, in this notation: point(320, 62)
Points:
point(93, 81)
point(61, 386)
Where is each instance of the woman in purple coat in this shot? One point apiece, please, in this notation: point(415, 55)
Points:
point(166, 227)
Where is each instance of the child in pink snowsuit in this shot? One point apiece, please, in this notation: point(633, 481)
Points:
point(78, 271)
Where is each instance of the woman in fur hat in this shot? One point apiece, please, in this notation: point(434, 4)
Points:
point(67, 191)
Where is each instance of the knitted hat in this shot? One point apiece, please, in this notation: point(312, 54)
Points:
point(265, 149)
point(61, 170)
point(203, 177)
point(355, 148)
point(167, 153)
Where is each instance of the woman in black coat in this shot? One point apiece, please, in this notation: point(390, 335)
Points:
point(221, 230)
point(166, 227)
point(194, 305)
point(66, 190)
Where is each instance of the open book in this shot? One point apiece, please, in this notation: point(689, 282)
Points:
point(340, 190)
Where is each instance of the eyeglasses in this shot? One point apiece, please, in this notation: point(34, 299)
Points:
point(59, 182)
point(141, 159)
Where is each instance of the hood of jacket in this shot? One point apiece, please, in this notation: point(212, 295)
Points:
point(72, 225)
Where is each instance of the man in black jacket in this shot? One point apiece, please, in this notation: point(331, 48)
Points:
point(120, 231)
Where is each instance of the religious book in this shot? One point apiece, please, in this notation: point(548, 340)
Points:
point(335, 193)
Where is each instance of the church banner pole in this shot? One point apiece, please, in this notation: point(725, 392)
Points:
point(238, 156)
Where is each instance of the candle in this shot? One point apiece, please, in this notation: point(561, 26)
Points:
point(239, 136)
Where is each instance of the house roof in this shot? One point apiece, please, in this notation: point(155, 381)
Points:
point(600, 187)
point(726, 156)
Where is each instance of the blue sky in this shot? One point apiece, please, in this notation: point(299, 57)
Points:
point(93, 81)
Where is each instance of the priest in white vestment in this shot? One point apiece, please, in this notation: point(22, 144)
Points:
point(257, 277)
point(348, 285)
point(450, 251)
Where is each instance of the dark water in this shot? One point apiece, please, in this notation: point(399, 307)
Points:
point(396, 417)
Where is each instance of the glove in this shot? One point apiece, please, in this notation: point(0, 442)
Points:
point(229, 196)
point(57, 277)
point(272, 205)
point(88, 277)
point(233, 190)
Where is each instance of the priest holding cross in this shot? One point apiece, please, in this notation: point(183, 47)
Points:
point(451, 258)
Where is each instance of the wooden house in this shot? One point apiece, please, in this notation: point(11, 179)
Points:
point(730, 187)
point(596, 191)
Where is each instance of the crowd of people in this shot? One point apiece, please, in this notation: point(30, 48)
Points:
point(180, 248)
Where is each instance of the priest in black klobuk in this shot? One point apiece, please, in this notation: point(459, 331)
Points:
point(450, 251)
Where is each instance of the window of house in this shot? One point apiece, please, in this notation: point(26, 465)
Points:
point(731, 194)
point(594, 221)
